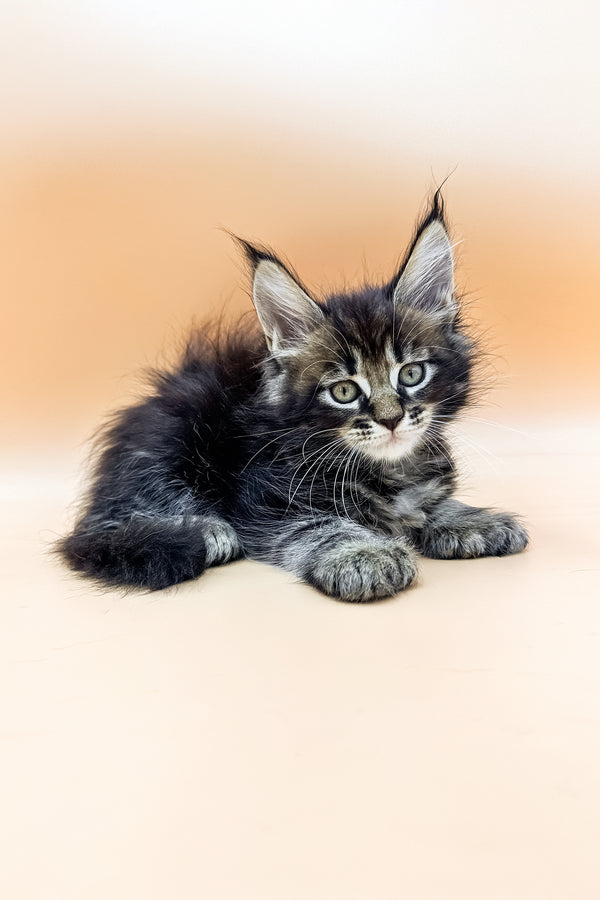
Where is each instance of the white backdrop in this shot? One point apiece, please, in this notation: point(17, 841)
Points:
point(514, 81)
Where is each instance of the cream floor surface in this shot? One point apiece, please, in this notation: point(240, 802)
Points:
point(243, 737)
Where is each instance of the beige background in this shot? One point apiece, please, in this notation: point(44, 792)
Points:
point(244, 737)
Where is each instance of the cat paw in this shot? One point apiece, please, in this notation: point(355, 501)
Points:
point(361, 573)
point(221, 540)
point(488, 534)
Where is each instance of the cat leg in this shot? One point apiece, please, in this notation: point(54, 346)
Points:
point(339, 557)
point(454, 530)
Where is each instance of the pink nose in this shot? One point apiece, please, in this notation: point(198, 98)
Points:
point(390, 423)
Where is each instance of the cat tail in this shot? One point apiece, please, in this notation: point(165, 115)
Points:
point(142, 552)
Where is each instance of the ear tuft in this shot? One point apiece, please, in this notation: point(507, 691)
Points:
point(286, 312)
point(427, 278)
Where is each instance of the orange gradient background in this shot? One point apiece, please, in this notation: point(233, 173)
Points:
point(126, 152)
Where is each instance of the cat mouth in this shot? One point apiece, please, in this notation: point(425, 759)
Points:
point(395, 442)
point(390, 446)
point(398, 437)
point(393, 437)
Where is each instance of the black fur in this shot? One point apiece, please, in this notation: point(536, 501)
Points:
point(242, 451)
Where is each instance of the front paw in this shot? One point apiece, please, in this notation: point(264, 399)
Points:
point(359, 573)
point(480, 533)
point(221, 540)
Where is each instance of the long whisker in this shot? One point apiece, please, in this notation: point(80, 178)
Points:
point(268, 444)
point(350, 460)
point(335, 480)
point(468, 418)
point(321, 454)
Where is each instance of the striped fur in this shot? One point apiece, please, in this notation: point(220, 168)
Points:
point(317, 445)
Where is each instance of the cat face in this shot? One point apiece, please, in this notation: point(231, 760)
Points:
point(380, 399)
point(375, 370)
point(379, 385)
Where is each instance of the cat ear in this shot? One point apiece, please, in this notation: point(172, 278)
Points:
point(427, 278)
point(286, 312)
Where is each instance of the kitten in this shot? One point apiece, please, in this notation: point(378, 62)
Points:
point(317, 445)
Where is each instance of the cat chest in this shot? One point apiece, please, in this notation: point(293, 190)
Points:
point(405, 507)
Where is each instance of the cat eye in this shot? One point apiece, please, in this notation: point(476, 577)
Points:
point(344, 391)
point(411, 374)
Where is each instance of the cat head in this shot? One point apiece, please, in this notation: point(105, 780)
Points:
point(376, 369)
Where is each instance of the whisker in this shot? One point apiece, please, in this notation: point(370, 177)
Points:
point(268, 444)
point(321, 454)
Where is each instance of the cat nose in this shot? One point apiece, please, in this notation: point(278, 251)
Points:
point(390, 423)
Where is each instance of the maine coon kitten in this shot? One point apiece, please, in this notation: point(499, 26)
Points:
point(317, 446)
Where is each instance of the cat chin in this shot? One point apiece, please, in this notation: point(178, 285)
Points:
point(390, 449)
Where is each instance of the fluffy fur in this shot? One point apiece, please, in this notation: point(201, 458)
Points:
point(316, 445)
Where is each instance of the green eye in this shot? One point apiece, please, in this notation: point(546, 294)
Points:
point(344, 391)
point(411, 374)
